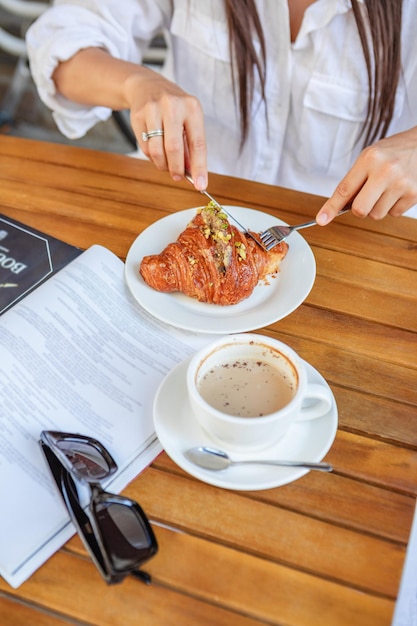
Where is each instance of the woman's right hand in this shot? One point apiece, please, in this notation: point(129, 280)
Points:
point(95, 78)
point(158, 104)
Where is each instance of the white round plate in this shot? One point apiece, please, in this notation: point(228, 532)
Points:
point(267, 304)
point(178, 430)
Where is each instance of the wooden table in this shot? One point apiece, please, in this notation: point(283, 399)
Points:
point(326, 550)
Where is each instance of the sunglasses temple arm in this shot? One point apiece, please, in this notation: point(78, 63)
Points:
point(144, 577)
point(67, 488)
point(82, 523)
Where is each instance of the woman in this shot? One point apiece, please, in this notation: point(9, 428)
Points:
point(317, 96)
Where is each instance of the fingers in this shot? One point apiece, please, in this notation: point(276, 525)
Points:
point(341, 197)
point(381, 181)
point(195, 158)
point(147, 121)
point(183, 142)
point(153, 145)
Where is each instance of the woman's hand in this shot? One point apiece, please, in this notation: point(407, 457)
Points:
point(157, 104)
point(382, 180)
point(94, 78)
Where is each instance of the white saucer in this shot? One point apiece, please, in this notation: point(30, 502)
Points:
point(178, 431)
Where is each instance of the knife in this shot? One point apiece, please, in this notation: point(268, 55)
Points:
point(221, 207)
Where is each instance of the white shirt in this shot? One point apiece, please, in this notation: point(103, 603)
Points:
point(316, 87)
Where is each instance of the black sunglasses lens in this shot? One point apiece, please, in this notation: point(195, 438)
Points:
point(87, 462)
point(125, 534)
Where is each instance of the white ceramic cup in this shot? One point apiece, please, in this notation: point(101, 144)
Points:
point(254, 387)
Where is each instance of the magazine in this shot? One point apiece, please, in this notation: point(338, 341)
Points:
point(28, 258)
point(78, 354)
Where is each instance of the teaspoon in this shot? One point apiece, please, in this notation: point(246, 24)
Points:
point(216, 460)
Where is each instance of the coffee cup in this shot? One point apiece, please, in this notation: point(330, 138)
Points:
point(247, 389)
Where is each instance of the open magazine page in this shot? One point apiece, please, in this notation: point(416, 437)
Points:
point(406, 608)
point(77, 355)
point(27, 258)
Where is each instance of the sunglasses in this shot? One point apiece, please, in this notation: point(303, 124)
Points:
point(114, 529)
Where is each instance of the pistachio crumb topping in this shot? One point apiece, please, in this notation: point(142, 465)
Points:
point(241, 249)
point(217, 228)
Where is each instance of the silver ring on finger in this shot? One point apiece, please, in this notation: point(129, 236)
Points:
point(152, 133)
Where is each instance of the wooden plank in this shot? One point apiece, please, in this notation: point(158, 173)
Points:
point(308, 544)
point(375, 462)
point(332, 294)
point(366, 274)
point(185, 590)
point(156, 605)
point(348, 502)
point(76, 186)
point(16, 613)
point(272, 592)
point(364, 414)
point(350, 334)
point(134, 211)
point(356, 371)
point(96, 161)
point(350, 236)
point(255, 194)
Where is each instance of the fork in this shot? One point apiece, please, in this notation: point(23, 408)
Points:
point(272, 236)
point(187, 175)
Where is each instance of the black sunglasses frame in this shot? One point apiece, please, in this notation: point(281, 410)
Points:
point(90, 526)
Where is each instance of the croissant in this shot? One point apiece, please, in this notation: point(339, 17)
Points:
point(211, 261)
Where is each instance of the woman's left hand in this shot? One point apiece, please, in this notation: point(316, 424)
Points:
point(382, 180)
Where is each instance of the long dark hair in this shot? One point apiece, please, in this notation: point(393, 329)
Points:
point(382, 18)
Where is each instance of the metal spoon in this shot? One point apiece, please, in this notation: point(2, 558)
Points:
point(216, 460)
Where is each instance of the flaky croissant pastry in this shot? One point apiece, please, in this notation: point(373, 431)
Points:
point(211, 261)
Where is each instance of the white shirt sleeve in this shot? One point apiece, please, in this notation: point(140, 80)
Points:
point(68, 27)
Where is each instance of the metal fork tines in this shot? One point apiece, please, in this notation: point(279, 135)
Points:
point(221, 207)
point(272, 236)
